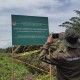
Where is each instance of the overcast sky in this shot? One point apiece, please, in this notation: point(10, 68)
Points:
point(57, 11)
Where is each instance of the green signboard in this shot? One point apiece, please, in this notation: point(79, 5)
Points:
point(29, 30)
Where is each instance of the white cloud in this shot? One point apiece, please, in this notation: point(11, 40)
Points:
point(5, 44)
point(8, 4)
point(5, 19)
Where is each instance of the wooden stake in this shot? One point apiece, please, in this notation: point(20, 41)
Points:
point(50, 68)
point(12, 64)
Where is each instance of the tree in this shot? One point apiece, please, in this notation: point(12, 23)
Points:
point(74, 22)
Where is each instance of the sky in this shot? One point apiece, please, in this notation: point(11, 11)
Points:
point(57, 11)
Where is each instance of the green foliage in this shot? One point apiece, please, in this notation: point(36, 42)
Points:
point(74, 22)
point(20, 70)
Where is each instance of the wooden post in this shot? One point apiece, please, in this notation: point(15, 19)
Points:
point(13, 51)
point(50, 67)
point(12, 64)
point(50, 72)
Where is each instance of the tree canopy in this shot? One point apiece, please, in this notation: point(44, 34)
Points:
point(74, 22)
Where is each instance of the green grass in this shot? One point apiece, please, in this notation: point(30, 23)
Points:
point(20, 70)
